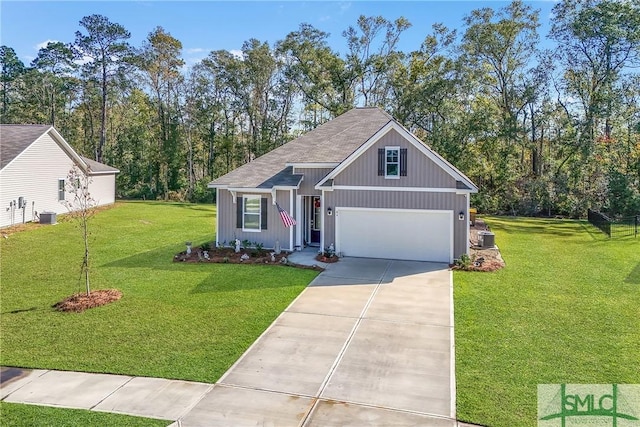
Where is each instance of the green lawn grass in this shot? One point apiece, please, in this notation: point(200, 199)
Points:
point(175, 320)
point(564, 310)
point(14, 414)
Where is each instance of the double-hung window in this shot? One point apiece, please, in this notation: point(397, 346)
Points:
point(61, 190)
point(392, 162)
point(251, 213)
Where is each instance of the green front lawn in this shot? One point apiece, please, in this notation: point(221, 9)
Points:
point(564, 310)
point(14, 414)
point(175, 320)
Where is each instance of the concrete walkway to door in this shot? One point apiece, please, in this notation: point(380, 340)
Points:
point(369, 342)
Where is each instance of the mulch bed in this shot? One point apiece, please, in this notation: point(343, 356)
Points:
point(229, 256)
point(80, 302)
point(327, 259)
point(483, 259)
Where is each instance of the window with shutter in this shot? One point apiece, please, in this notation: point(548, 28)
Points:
point(392, 162)
point(251, 213)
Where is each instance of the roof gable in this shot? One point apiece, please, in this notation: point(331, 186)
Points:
point(15, 139)
point(411, 138)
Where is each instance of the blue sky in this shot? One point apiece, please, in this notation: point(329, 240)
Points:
point(203, 26)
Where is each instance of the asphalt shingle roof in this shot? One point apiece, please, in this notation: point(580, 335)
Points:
point(331, 142)
point(97, 167)
point(14, 139)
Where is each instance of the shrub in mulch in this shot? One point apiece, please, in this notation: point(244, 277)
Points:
point(80, 302)
point(327, 259)
point(229, 256)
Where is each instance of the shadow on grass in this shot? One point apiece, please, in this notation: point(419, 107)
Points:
point(634, 276)
point(22, 310)
point(219, 277)
point(238, 277)
point(558, 227)
point(159, 259)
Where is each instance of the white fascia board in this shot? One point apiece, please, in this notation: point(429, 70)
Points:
point(105, 172)
point(259, 190)
point(401, 189)
point(316, 165)
point(68, 149)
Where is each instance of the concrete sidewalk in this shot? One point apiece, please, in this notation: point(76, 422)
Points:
point(138, 396)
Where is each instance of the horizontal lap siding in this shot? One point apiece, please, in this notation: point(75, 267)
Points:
point(399, 200)
point(103, 189)
point(34, 175)
point(421, 171)
point(311, 177)
point(275, 229)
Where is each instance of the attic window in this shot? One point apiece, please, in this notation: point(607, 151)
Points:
point(392, 162)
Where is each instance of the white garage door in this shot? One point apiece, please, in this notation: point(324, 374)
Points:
point(417, 235)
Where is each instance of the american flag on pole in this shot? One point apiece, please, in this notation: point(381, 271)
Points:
point(287, 219)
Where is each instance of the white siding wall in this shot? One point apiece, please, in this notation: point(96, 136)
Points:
point(103, 189)
point(34, 175)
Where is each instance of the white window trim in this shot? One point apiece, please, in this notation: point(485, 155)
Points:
point(252, 230)
point(386, 150)
point(64, 189)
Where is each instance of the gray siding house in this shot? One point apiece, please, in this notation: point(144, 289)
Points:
point(361, 183)
point(34, 163)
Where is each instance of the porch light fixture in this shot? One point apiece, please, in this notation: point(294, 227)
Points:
point(461, 216)
point(329, 211)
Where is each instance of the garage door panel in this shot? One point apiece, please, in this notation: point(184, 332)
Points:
point(397, 234)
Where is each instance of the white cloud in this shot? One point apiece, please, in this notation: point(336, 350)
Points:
point(237, 53)
point(193, 50)
point(44, 44)
point(344, 6)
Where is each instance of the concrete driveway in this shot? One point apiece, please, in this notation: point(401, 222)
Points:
point(369, 342)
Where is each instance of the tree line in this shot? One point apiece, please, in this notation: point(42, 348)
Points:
point(541, 131)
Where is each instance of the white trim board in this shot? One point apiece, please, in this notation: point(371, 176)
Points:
point(405, 189)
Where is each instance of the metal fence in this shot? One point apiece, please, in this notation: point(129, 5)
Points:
point(622, 227)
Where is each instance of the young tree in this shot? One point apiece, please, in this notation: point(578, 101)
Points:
point(81, 209)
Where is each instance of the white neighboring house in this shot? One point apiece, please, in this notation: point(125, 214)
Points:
point(34, 163)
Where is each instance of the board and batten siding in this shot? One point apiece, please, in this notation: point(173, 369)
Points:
point(399, 200)
point(421, 171)
point(311, 177)
point(275, 229)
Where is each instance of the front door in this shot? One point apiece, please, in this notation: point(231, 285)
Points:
point(313, 212)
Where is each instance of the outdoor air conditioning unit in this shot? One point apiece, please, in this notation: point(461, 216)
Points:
point(47, 217)
point(486, 239)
